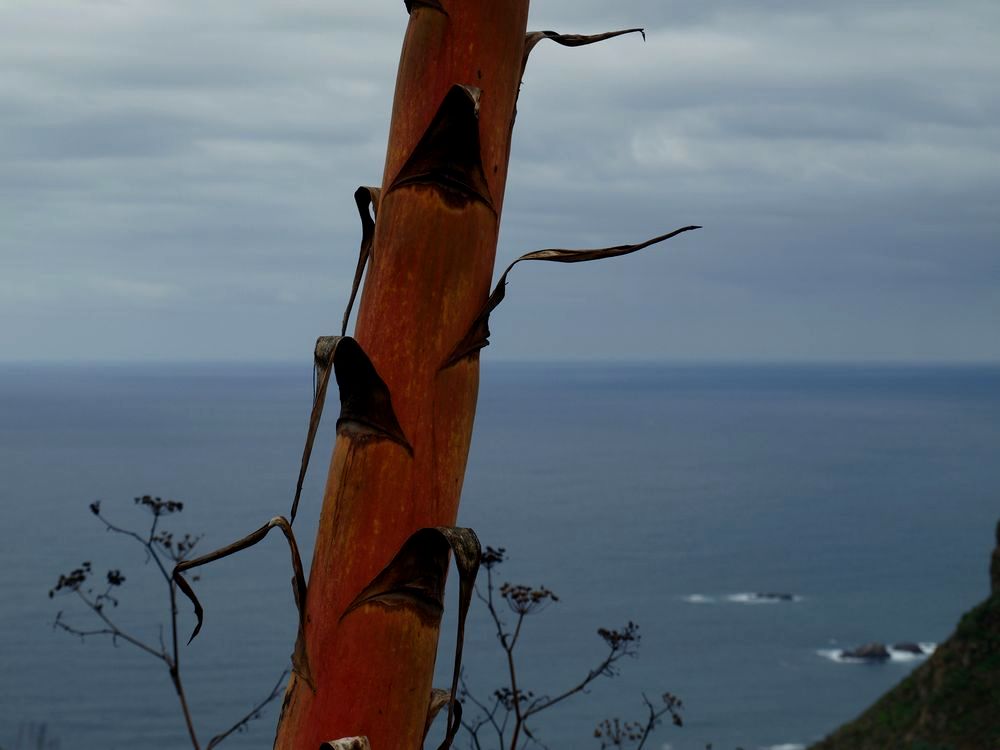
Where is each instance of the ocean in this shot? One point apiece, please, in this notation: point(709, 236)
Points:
point(660, 494)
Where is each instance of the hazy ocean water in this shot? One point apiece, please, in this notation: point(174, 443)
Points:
point(651, 493)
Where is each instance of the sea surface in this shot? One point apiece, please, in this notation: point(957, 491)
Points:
point(663, 495)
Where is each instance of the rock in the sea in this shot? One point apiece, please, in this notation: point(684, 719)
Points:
point(949, 701)
point(774, 597)
point(910, 648)
point(869, 652)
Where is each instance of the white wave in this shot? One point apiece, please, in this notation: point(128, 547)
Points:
point(744, 597)
point(833, 654)
point(699, 599)
point(836, 654)
point(896, 655)
point(785, 746)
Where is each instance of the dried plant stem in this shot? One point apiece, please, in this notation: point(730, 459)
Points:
point(171, 660)
point(175, 667)
point(652, 720)
point(428, 275)
point(159, 547)
point(513, 704)
point(487, 716)
point(253, 713)
point(508, 643)
point(422, 319)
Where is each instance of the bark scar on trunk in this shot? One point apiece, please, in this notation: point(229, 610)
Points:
point(415, 579)
point(366, 411)
point(365, 401)
point(448, 156)
point(412, 5)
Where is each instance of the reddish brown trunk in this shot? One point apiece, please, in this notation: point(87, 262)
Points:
point(428, 279)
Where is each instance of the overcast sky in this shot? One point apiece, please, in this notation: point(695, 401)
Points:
point(176, 178)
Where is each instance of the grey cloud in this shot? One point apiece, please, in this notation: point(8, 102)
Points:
point(115, 134)
point(191, 166)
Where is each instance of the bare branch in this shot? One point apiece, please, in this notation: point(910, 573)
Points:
point(158, 544)
point(111, 629)
point(620, 644)
point(254, 712)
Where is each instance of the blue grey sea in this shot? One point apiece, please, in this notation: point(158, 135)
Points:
point(658, 494)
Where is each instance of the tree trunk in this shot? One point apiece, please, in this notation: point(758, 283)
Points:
point(399, 462)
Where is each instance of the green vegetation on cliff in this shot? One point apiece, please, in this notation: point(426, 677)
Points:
point(951, 702)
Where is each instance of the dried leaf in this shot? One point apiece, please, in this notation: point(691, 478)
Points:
point(321, 376)
point(299, 660)
point(299, 581)
point(415, 578)
point(570, 40)
point(365, 197)
point(448, 155)
point(468, 553)
point(479, 332)
point(365, 402)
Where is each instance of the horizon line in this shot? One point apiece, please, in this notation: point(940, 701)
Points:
point(584, 361)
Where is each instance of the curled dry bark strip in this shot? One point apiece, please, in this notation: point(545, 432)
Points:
point(479, 332)
point(415, 578)
point(468, 554)
point(570, 40)
point(365, 403)
point(364, 197)
point(300, 661)
point(321, 373)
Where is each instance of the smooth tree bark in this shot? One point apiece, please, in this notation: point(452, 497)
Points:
point(408, 396)
point(408, 383)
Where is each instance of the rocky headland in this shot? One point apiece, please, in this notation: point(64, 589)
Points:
point(951, 702)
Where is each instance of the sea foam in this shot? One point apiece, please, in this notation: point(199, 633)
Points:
point(834, 654)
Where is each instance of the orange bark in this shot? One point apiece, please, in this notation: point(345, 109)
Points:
point(428, 279)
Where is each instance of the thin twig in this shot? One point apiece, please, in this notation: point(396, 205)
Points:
point(523, 705)
point(175, 668)
point(158, 546)
point(490, 715)
point(115, 631)
point(254, 713)
point(602, 669)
